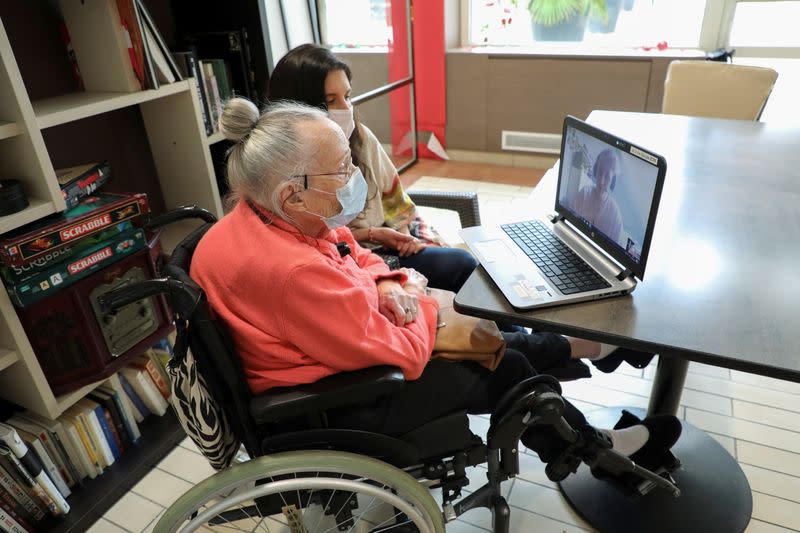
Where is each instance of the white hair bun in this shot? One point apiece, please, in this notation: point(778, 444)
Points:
point(238, 119)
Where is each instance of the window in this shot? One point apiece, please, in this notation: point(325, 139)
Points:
point(751, 18)
point(625, 23)
point(354, 23)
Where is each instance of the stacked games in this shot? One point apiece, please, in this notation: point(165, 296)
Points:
point(55, 269)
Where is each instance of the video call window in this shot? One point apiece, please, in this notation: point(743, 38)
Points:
point(608, 189)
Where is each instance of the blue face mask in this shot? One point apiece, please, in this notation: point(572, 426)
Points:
point(352, 198)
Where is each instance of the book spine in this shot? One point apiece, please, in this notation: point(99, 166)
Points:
point(114, 388)
point(15, 510)
point(50, 468)
point(48, 439)
point(147, 390)
point(8, 523)
point(193, 68)
point(65, 452)
point(150, 367)
point(31, 483)
point(79, 448)
point(22, 497)
point(111, 434)
point(97, 433)
point(11, 439)
point(134, 396)
point(89, 445)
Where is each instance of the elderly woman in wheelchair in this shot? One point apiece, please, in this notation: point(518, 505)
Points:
point(335, 350)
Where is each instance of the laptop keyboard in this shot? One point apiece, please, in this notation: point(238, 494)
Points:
point(555, 259)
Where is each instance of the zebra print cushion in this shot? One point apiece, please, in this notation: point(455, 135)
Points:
point(199, 414)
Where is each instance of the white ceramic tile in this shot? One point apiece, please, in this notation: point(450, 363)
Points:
point(161, 487)
point(463, 527)
point(767, 457)
point(776, 510)
point(767, 415)
point(740, 391)
point(104, 526)
point(532, 469)
point(152, 525)
point(708, 370)
point(187, 465)
point(523, 521)
point(190, 445)
point(773, 483)
point(133, 512)
point(765, 382)
point(745, 430)
point(757, 526)
point(545, 501)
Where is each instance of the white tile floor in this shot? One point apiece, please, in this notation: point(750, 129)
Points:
point(756, 418)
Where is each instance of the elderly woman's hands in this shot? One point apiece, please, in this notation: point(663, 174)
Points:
point(396, 303)
point(405, 244)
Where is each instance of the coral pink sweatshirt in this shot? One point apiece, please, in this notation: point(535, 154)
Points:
point(296, 310)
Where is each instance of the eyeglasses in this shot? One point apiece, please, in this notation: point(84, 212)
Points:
point(342, 175)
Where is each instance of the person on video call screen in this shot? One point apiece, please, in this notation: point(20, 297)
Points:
point(594, 202)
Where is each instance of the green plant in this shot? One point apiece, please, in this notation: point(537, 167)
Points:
point(552, 12)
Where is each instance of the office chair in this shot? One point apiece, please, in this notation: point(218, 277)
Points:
point(307, 474)
point(717, 90)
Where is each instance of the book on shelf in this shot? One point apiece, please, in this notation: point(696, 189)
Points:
point(113, 387)
point(19, 450)
point(189, 65)
point(222, 74)
point(132, 28)
point(81, 458)
point(28, 484)
point(158, 48)
point(9, 524)
point(139, 409)
point(233, 48)
point(81, 442)
point(148, 392)
point(212, 90)
point(147, 363)
point(47, 440)
point(93, 215)
point(94, 415)
point(18, 489)
point(61, 440)
point(37, 448)
point(101, 47)
point(110, 408)
point(15, 510)
point(78, 182)
point(163, 72)
point(87, 436)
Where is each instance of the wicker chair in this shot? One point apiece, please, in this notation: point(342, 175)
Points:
point(463, 203)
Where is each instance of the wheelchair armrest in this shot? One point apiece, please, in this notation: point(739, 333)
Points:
point(338, 390)
point(464, 203)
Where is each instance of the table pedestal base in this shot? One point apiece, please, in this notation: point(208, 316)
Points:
point(715, 495)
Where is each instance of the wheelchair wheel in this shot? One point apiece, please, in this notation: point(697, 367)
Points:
point(306, 492)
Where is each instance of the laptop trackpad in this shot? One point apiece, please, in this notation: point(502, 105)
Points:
point(494, 250)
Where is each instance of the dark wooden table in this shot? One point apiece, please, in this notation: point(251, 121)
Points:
point(720, 288)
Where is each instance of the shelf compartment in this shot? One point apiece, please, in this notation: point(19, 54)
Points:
point(76, 106)
point(66, 401)
point(9, 129)
point(7, 358)
point(36, 210)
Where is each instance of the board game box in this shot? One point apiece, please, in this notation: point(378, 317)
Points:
point(80, 181)
point(94, 214)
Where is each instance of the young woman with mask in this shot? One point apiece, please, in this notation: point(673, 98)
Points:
point(312, 75)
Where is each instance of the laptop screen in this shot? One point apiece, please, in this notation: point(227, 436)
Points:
point(609, 189)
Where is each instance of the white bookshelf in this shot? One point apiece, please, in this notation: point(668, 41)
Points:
point(215, 137)
point(180, 150)
point(9, 129)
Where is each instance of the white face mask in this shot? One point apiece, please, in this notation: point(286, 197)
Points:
point(344, 118)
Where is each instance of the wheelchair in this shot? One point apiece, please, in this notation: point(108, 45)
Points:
point(305, 474)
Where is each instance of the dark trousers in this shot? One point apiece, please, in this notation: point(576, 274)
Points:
point(447, 387)
point(445, 268)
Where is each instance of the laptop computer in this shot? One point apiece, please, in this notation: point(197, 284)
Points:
point(596, 244)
